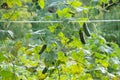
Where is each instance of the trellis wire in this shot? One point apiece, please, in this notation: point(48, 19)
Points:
point(89, 21)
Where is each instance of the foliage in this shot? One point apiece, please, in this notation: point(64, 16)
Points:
point(53, 51)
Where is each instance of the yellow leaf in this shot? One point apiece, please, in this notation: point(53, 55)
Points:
point(41, 3)
point(116, 78)
point(41, 76)
point(63, 77)
point(52, 29)
point(64, 13)
point(61, 35)
point(105, 63)
point(29, 51)
point(64, 40)
point(61, 56)
point(76, 69)
point(76, 4)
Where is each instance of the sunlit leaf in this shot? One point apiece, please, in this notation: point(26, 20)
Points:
point(76, 4)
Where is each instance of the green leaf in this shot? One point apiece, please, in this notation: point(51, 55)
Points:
point(106, 49)
point(8, 75)
point(100, 56)
point(18, 2)
point(50, 58)
point(2, 58)
point(102, 69)
point(104, 1)
point(78, 55)
point(64, 13)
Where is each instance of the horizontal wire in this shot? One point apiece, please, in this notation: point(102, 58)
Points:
point(89, 21)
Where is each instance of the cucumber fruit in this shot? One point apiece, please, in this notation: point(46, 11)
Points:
point(82, 38)
point(43, 49)
point(44, 70)
point(86, 29)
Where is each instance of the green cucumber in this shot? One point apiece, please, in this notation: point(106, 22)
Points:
point(43, 49)
point(4, 6)
point(86, 29)
point(44, 70)
point(82, 38)
point(52, 9)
